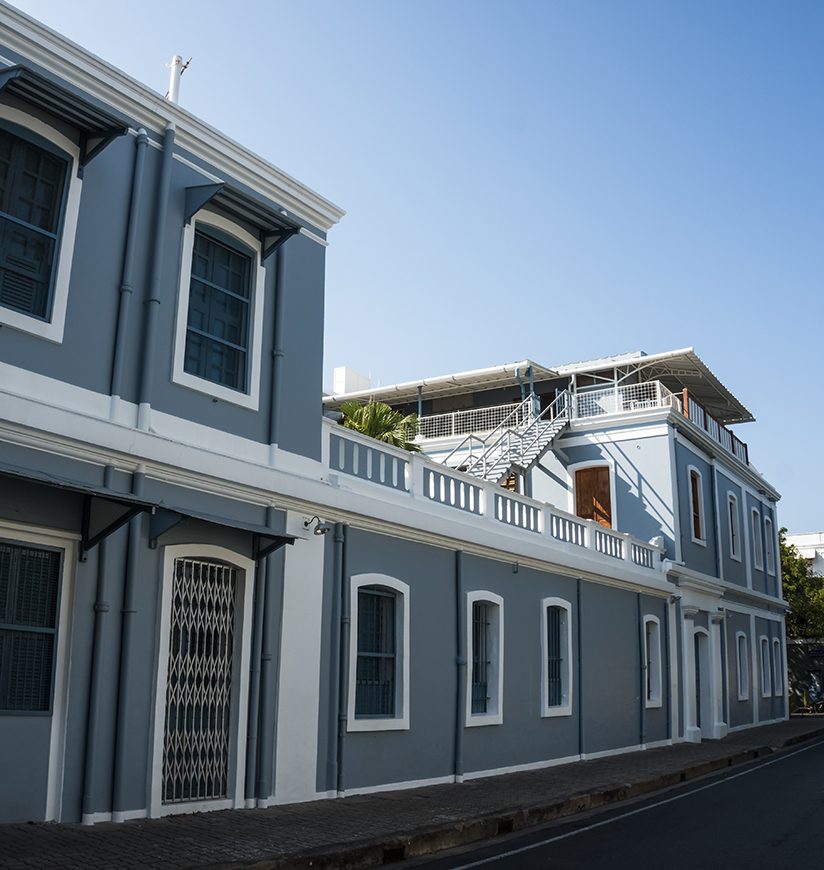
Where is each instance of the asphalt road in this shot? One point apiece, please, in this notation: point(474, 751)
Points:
point(769, 814)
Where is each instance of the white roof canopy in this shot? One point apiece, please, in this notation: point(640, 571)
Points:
point(677, 369)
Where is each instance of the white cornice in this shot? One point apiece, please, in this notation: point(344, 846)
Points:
point(73, 64)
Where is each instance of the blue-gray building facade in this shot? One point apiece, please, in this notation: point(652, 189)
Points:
point(212, 597)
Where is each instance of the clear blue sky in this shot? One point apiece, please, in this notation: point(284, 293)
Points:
point(554, 180)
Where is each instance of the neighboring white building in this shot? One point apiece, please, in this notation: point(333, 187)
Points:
point(811, 546)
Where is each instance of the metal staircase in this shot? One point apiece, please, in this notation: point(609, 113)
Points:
point(518, 442)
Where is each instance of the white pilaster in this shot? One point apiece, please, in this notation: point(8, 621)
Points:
point(299, 682)
point(719, 727)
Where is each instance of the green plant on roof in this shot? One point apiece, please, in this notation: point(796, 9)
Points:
point(379, 421)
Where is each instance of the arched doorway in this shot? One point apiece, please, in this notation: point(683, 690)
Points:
point(702, 682)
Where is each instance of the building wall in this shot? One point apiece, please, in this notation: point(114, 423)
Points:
point(606, 627)
point(641, 469)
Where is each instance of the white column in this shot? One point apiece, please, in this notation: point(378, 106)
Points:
point(692, 732)
point(296, 767)
point(719, 726)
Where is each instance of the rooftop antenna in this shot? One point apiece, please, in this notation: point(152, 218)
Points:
point(177, 68)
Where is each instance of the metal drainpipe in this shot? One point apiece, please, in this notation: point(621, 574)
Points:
point(335, 654)
point(253, 721)
point(152, 302)
point(121, 774)
point(266, 752)
point(668, 673)
point(101, 608)
point(277, 353)
point(343, 671)
point(642, 656)
point(520, 383)
point(460, 662)
point(579, 623)
point(127, 274)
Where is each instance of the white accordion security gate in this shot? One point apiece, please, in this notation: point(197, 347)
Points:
point(197, 733)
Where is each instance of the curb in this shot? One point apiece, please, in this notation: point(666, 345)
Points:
point(376, 853)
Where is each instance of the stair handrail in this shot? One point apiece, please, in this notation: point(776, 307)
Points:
point(526, 404)
point(561, 400)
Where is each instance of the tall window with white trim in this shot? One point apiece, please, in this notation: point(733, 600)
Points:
point(556, 633)
point(217, 330)
point(742, 665)
point(696, 493)
point(29, 592)
point(769, 543)
point(378, 654)
point(777, 670)
point(485, 658)
point(757, 543)
point(766, 684)
point(32, 197)
point(376, 675)
point(652, 649)
point(734, 524)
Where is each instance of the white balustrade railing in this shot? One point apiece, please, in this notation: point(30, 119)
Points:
point(413, 476)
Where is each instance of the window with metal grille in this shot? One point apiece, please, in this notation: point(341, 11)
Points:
point(743, 666)
point(217, 329)
point(29, 588)
point(557, 666)
point(32, 185)
point(766, 687)
point(652, 646)
point(375, 679)
point(480, 656)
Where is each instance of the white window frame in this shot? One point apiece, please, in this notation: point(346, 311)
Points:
point(734, 520)
point(52, 329)
point(573, 495)
point(777, 675)
point(495, 712)
point(769, 545)
point(251, 397)
point(564, 709)
point(68, 542)
point(766, 666)
point(240, 700)
point(742, 666)
point(757, 542)
point(652, 662)
point(702, 514)
point(400, 721)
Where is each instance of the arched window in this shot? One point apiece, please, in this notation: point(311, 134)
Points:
point(742, 665)
point(556, 668)
point(378, 654)
point(485, 658)
point(652, 647)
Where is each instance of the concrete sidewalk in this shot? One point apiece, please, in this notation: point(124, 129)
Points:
point(370, 830)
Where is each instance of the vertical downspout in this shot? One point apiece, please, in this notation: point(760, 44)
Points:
point(642, 671)
point(266, 738)
point(343, 672)
point(581, 748)
point(336, 662)
point(253, 721)
point(101, 608)
point(460, 662)
point(277, 354)
point(520, 381)
point(127, 273)
point(152, 302)
point(420, 401)
point(124, 686)
point(668, 673)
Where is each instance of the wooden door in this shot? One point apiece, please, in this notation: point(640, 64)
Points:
point(592, 495)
